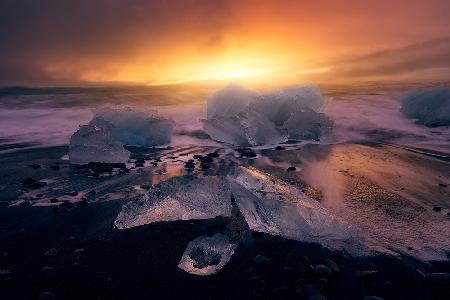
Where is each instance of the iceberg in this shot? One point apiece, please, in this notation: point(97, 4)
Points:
point(95, 144)
point(207, 255)
point(135, 127)
point(431, 107)
point(307, 124)
point(242, 118)
point(248, 128)
point(278, 105)
point(179, 198)
point(274, 207)
point(229, 101)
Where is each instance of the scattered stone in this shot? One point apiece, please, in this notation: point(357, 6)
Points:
point(198, 156)
point(98, 167)
point(372, 298)
point(332, 265)
point(54, 200)
point(46, 296)
point(443, 185)
point(321, 270)
point(46, 268)
point(438, 278)
point(366, 274)
point(39, 195)
point(247, 152)
point(437, 209)
point(35, 166)
point(259, 259)
point(4, 272)
point(190, 164)
point(280, 148)
point(51, 252)
point(213, 155)
point(307, 291)
point(71, 193)
point(84, 202)
point(292, 169)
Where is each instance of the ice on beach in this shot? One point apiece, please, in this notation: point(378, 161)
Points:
point(135, 127)
point(242, 118)
point(273, 207)
point(248, 128)
point(278, 105)
point(307, 124)
point(180, 198)
point(431, 107)
point(229, 101)
point(95, 144)
point(207, 255)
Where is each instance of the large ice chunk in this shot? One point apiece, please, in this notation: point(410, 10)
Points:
point(229, 101)
point(274, 207)
point(431, 107)
point(207, 255)
point(179, 198)
point(95, 144)
point(248, 128)
point(135, 127)
point(278, 105)
point(306, 124)
point(266, 119)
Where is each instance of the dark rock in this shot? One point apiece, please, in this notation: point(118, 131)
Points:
point(38, 185)
point(280, 148)
point(190, 164)
point(71, 193)
point(84, 202)
point(213, 155)
point(198, 156)
point(35, 166)
point(332, 265)
point(39, 195)
point(92, 192)
point(98, 167)
point(307, 291)
point(206, 160)
point(46, 268)
point(51, 252)
point(53, 200)
point(366, 274)
point(292, 169)
point(29, 181)
point(321, 270)
point(46, 296)
point(247, 152)
point(259, 259)
point(442, 185)
point(55, 167)
point(437, 209)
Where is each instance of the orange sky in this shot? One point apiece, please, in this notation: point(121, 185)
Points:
point(157, 42)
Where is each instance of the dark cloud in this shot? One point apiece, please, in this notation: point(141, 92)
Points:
point(88, 33)
point(418, 57)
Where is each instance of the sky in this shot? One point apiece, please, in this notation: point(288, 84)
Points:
point(163, 41)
